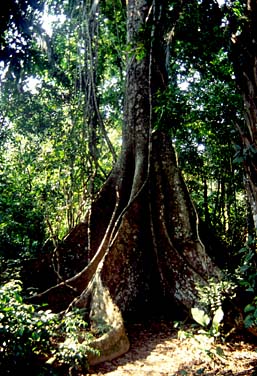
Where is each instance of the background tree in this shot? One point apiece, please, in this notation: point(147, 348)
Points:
point(243, 33)
point(46, 116)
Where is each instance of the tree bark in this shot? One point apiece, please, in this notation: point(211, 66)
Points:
point(244, 58)
point(139, 247)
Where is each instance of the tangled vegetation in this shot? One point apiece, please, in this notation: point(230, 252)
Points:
point(36, 340)
point(63, 67)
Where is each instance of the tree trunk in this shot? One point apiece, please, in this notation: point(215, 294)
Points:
point(139, 245)
point(244, 57)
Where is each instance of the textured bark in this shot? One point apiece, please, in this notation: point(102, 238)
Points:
point(244, 57)
point(139, 247)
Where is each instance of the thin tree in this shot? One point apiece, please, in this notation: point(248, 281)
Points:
point(244, 57)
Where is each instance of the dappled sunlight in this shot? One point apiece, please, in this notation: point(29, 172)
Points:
point(156, 350)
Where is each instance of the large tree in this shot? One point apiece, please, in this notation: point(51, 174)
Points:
point(243, 53)
point(138, 250)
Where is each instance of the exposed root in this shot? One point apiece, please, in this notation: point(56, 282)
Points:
point(106, 317)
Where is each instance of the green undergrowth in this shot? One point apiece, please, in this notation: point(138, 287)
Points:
point(34, 339)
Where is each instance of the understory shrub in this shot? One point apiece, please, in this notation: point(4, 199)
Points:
point(35, 339)
point(209, 315)
point(247, 279)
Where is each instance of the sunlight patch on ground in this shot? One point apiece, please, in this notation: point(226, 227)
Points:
point(157, 351)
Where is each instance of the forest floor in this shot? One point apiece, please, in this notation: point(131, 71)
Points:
point(158, 350)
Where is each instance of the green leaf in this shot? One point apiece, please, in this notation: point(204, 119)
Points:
point(218, 316)
point(249, 308)
point(35, 336)
point(248, 321)
point(200, 316)
point(219, 351)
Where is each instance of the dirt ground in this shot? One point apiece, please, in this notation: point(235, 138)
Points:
point(158, 350)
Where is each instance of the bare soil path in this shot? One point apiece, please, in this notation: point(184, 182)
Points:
point(156, 351)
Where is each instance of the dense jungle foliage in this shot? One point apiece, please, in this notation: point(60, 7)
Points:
point(61, 100)
point(61, 120)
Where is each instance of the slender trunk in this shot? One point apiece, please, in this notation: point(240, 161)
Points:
point(244, 57)
point(206, 206)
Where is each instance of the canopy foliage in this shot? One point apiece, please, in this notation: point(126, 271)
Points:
point(61, 113)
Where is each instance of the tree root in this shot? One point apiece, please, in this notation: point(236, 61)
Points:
point(106, 317)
